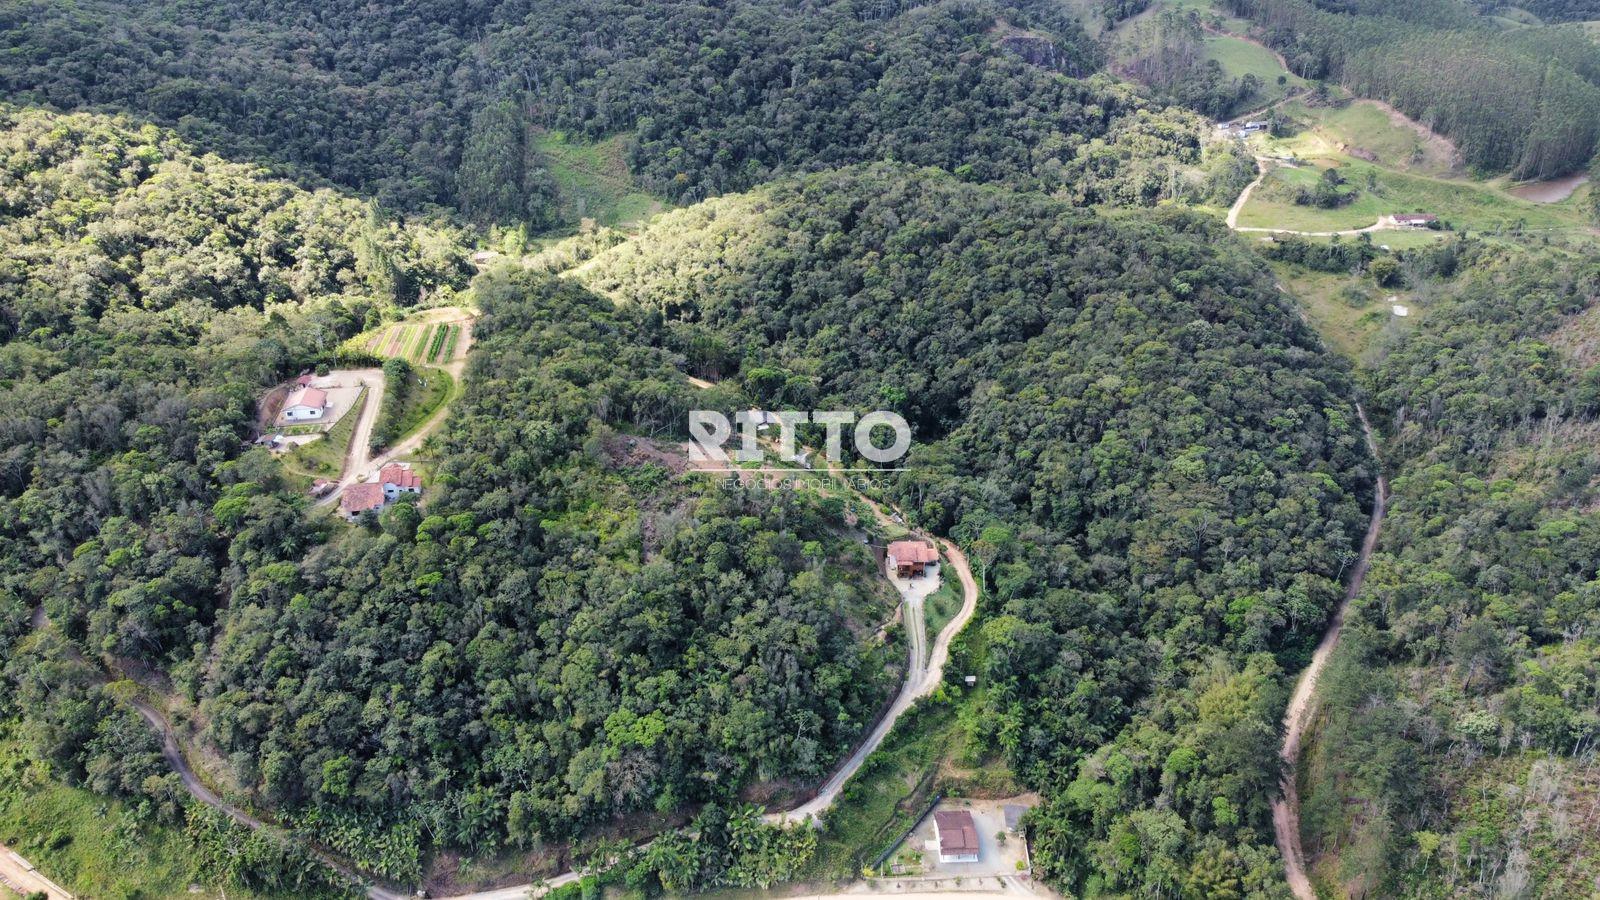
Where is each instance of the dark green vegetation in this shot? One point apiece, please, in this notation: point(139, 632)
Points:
point(1524, 100)
point(1152, 469)
point(557, 641)
point(423, 104)
point(1456, 757)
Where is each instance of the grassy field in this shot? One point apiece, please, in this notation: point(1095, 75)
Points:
point(593, 180)
point(1465, 205)
point(325, 458)
point(1239, 57)
point(1349, 327)
point(1335, 131)
point(430, 388)
point(92, 845)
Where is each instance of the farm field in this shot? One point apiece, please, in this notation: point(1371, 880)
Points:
point(432, 337)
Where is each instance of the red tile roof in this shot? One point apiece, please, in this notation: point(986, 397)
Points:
point(316, 398)
point(958, 835)
point(400, 476)
point(358, 498)
point(1409, 218)
point(913, 552)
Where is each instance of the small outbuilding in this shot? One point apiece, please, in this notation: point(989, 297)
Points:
point(1416, 220)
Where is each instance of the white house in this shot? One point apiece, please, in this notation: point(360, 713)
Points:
point(957, 835)
point(308, 404)
point(398, 479)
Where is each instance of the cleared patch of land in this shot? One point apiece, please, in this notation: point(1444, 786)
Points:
point(593, 182)
point(1349, 311)
point(1465, 205)
point(1360, 128)
point(325, 458)
point(1239, 57)
point(91, 845)
point(428, 337)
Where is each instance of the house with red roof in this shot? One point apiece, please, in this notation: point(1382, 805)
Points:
point(306, 404)
point(360, 498)
point(910, 559)
point(397, 479)
point(957, 835)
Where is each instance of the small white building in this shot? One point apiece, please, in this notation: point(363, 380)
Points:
point(307, 404)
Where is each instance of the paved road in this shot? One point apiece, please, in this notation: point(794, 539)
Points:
point(1286, 809)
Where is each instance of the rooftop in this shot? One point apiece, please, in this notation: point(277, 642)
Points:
point(913, 552)
point(399, 475)
point(957, 832)
point(358, 498)
point(316, 398)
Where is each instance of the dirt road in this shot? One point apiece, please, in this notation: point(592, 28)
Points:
point(920, 681)
point(1286, 809)
point(1384, 223)
point(20, 876)
point(360, 459)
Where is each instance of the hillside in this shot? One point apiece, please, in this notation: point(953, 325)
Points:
point(686, 638)
point(1456, 753)
point(421, 105)
point(1060, 370)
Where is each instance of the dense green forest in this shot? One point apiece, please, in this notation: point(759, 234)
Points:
point(421, 103)
point(155, 295)
point(1457, 754)
point(1150, 461)
point(1524, 100)
point(947, 209)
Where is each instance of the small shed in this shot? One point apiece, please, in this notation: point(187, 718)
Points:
point(1416, 220)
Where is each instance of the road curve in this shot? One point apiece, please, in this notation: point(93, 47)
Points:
point(918, 684)
point(1383, 223)
point(1286, 809)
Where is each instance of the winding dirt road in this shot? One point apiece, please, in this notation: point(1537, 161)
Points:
point(920, 681)
point(1302, 705)
point(1383, 223)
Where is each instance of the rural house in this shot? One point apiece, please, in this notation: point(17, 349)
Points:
point(909, 559)
point(957, 836)
point(397, 479)
point(307, 404)
point(1416, 220)
point(360, 498)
